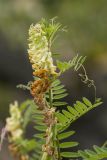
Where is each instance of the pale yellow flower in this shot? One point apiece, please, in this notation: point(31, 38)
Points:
point(39, 54)
point(17, 134)
point(13, 123)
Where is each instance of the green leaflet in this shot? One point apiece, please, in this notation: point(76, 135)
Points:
point(60, 96)
point(66, 113)
point(59, 103)
point(87, 102)
point(82, 105)
point(37, 117)
point(26, 117)
point(72, 111)
point(79, 62)
point(68, 144)
point(59, 91)
point(69, 154)
point(24, 105)
point(40, 135)
point(61, 118)
point(56, 83)
point(58, 87)
point(61, 127)
point(65, 135)
point(97, 104)
point(40, 128)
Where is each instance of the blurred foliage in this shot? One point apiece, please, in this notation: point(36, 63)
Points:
point(16, 16)
point(86, 21)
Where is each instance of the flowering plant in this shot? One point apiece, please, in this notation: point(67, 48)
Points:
point(49, 141)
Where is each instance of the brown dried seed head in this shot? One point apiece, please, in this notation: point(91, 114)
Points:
point(41, 73)
point(39, 87)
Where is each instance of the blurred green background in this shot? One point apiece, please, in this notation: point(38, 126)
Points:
point(86, 22)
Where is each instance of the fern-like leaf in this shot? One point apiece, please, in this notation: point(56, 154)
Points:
point(65, 145)
point(58, 93)
point(98, 153)
point(75, 63)
point(67, 117)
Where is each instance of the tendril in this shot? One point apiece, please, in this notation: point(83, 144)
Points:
point(85, 79)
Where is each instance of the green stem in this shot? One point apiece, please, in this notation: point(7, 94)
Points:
point(54, 129)
point(50, 97)
point(45, 156)
point(58, 148)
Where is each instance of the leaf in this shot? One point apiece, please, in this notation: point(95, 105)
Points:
point(97, 153)
point(27, 115)
point(77, 66)
point(69, 154)
point(87, 102)
point(97, 149)
point(60, 96)
point(68, 144)
point(59, 91)
point(89, 152)
point(61, 118)
point(59, 103)
point(41, 135)
point(75, 63)
point(67, 114)
point(97, 104)
point(24, 105)
point(65, 135)
point(40, 128)
point(56, 83)
point(73, 111)
point(78, 109)
point(82, 105)
point(82, 154)
point(37, 117)
point(79, 62)
point(58, 87)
